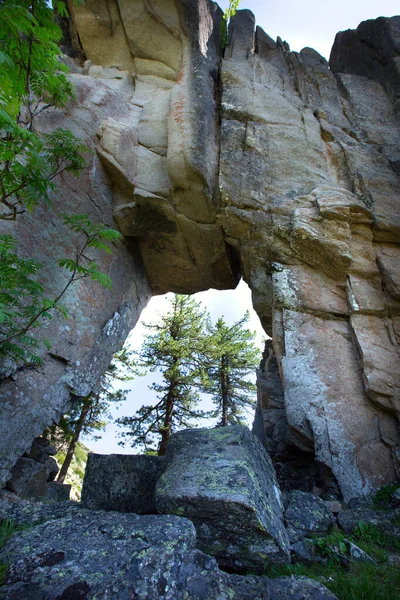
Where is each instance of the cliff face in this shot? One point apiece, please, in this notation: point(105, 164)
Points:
point(266, 159)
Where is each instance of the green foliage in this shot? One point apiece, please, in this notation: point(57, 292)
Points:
point(32, 80)
point(76, 469)
point(361, 581)
point(96, 406)
point(23, 303)
point(383, 496)
point(351, 580)
point(230, 358)
point(7, 528)
point(21, 297)
point(174, 347)
point(228, 14)
point(192, 356)
point(374, 536)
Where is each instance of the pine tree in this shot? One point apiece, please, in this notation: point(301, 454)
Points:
point(231, 358)
point(173, 347)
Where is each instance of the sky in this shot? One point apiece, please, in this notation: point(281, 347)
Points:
point(229, 304)
point(314, 23)
point(310, 23)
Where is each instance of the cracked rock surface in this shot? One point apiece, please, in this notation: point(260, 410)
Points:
point(93, 554)
point(265, 163)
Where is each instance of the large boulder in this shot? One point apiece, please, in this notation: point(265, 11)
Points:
point(125, 483)
point(92, 555)
point(223, 480)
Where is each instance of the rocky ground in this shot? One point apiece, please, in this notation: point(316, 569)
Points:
point(211, 524)
point(63, 551)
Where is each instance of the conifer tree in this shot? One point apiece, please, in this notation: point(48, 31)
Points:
point(174, 347)
point(231, 358)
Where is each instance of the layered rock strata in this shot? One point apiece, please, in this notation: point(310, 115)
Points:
point(146, 104)
point(296, 176)
point(162, 154)
point(311, 202)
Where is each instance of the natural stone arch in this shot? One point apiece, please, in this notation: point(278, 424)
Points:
point(183, 181)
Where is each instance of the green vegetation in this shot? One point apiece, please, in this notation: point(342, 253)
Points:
point(7, 528)
point(23, 304)
point(33, 80)
point(383, 496)
point(360, 581)
point(351, 580)
point(87, 415)
point(230, 358)
point(76, 470)
point(174, 347)
point(228, 14)
point(191, 356)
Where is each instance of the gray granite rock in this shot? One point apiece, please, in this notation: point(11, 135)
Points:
point(357, 554)
point(306, 515)
point(97, 555)
point(223, 480)
point(28, 478)
point(306, 550)
point(58, 492)
point(299, 588)
point(125, 483)
point(25, 512)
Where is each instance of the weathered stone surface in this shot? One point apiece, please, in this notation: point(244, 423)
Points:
point(93, 554)
point(99, 319)
point(310, 202)
point(223, 480)
point(297, 588)
point(306, 550)
point(28, 478)
point(58, 492)
point(371, 50)
point(163, 155)
point(272, 160)
point(306, 515)
point(357, 554)
point(125, 483)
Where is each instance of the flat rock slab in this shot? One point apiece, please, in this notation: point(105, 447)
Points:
point(124, 483)
point(223, 480)
point(90, 555)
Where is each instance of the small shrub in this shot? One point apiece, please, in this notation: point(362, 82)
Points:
point(383, 496)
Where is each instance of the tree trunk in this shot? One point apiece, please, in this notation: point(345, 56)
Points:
point(72, 445)
point(166, 430)
point(224, 392)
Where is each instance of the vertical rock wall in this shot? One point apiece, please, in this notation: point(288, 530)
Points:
point(99, 319)
point(310, 188)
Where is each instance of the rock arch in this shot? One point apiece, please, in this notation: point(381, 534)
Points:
point(263, 162)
